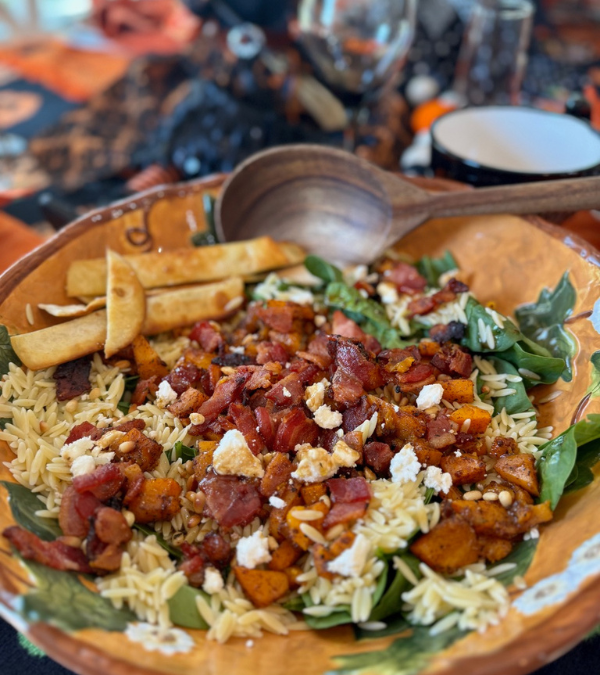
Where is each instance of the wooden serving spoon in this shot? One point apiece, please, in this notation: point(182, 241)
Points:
point(349, 211)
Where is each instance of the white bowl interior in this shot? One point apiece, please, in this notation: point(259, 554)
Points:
point(519, 139)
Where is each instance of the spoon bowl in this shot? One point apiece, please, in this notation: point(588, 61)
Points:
point(342, 207)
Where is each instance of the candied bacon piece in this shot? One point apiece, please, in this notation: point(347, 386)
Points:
point(230, 500)
point(207, 335)
point(134, 482)
point(277, 474)
point(295, 428)
point(104, 482)
point(390, 358)
point(262, 378)
point(233, 360)
point(328, 438)
point(53, 554)
point(378, 456)
point(453, 360)
point(73, 378)
point(111, 527)
point(143, 390)
point(217, 550)
point(265, 425)
point(193, 568)
point(353, 358)
point(243, 418)
point(183, 376)
point(83, 430)
point(226, 392)
point(71, 522)
point(421, 306)
point(344, 513)
point(127, 426)
point(445, 332)
point(439, 432)
point(456, 286)
point(417, 373)
point(319, 347)
point(187, 403)
point(346, 388)
point(107, 558)
point(406, 278)
point(288, 391)
point(342, 325)
point(282, 316)
point(360, 412)
point(305, 371)
point(271, 351)
point(349, 490)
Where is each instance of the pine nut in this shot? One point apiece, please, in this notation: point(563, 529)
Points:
point(190, 496)
point(490, 497)
point(95, 393)
point(123, 364)
point(44, 427)
point(126, 446)
point(199, 501)
point(369, 475)
point(72, 405)
point(505, 498)
point(190, 483)
point(178, 539)
point(129, 517)
point(193, 521)
point(196, 418)
point(472, 495)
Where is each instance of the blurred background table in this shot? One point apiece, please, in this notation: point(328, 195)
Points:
point(102, 98)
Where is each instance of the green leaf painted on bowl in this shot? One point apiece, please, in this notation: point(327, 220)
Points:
point(594, 388)
point(405, 656)
point(514, 403)
point(171, 550)
point(581, 476)
point(207, 237)
point(62, 600)
point(183, 610)
point(322, 269)
point(433, 268)
point(23, 504)
point(542, 322)
point(7, 353)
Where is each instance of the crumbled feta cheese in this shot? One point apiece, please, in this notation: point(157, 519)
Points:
point(339, 432)
point(315, 395)
point(434, 478)
point(314, 464)
point(196, 418)
point(320, 320)
point(286, 392)
point(387, 292)
point(77, 448)
point(165, 395)
point(405, 465)
point(351, 562)
point(327, 418)
point(430, 395)
point(213, 581)
point(271, 289)
point(238, 350)
point(534, 533)
point(344, 455)
point(83, 465)
point(457, 453)
point(276, 502)
point(368, 427)
point(253, 550)
point(233, 457)
point(249, 643)
point(354, 273)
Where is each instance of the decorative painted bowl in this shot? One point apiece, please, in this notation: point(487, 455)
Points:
point(510, 260)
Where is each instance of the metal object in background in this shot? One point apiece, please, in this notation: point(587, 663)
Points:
point(493, 55)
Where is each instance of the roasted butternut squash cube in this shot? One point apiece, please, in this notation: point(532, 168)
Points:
point(277, 522)
point(494, 549)
point(428, 348)
point(480, 418)
point(427, 455)
point(450, 545)
point(344, 541)
point(149, 363)
point(293, 573)
point(284, 556)
point(322, 556)
point(198, 358)
point(503, 445)
point(262, 587)
point(464, 469)
point(312, 493)
point(158, 499)
point(277, 474)
point(295, 533)
point(487, 518)
point(459, 391)
point(520, 470)
point(410, 423)
point(204, 458)
point(187, 403)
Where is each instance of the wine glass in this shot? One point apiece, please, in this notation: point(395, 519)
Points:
point(356, 46)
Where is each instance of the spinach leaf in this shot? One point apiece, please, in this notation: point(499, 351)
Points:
point(391, 601)
point(594, 388)
point(123, 406)
point(340, 616)
point(522, 555)
point(429, 492)
point(543, 321)
point(23, 504)
point(171, 550)
point(370, 314)
point(63, 601)
point(7, 353)
point(183, 610)
point(207, 237)
point(527, 354)
point(405, 656)
point(295, 604)
point(433, 268)
point(182, 452)
point(557, 462)
point(131, 382)
point(322, 269)
point(514, 403)
point(393, 625)
point(581, 476)
point(504, 338)
point(4, 421)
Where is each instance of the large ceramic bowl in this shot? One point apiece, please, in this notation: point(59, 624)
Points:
point(510, 260)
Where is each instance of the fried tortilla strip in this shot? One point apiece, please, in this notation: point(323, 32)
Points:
point(73, 311)
point(187, 265)
point(125, 304)
point(87, 334)
point(185, 306)
point(61, 343)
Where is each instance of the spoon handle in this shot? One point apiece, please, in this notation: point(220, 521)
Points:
point(572, 194)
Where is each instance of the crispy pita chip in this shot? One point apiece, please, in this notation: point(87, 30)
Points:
point(125, 304)
point(188, 265)
point(61, 343)
point(73, 311)
point(185, 306)
point(87, 334)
